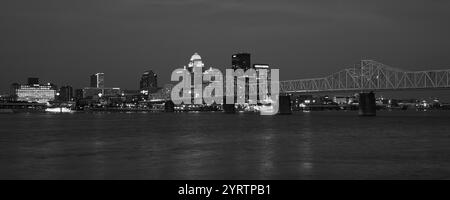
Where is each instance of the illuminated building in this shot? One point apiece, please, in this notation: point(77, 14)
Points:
point(263, 77)
point(344, 99)
point(261, 66)
point(95, 93)
point(195, 61)
point(35, 93)
point(98, 89)
point(98, 80)
point(149, 82)
point(240, 61)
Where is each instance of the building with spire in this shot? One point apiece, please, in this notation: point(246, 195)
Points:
point(195, 61)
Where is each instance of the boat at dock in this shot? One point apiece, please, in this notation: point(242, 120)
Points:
point(59, 110)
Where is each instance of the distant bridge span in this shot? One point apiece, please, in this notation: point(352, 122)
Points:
point(370, 75)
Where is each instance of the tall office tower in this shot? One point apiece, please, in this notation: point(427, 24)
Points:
point(240, 61)
point(149, 82)
point(33, 81)
point(98, 80)
point(195, 63)
point(263, 78)
point(66, 93)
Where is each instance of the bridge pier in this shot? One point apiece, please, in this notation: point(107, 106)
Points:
point(367, 105)
point(284, 104)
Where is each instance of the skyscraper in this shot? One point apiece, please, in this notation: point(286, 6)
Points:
point(98, 80)
point(97, 88)
point(240, 61)
point(149, 82)
point(196, 68)
point(66, 93)
point(263, 78)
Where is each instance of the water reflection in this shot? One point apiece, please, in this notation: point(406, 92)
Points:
point(267, 153)
point(218, 146)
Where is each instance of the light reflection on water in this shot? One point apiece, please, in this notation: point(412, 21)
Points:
point(315, 145)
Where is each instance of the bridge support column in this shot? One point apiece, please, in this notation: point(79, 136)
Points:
point(367, 105)
point(284, 105)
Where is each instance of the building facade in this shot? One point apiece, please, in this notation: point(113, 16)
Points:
point(35, 93)
point(149, 82)
point(241, 61)
point(95, 93)
point(98, 80)
point(66, 93)
point(195, 61)
point(162, 93)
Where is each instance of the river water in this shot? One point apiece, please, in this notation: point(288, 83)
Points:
point(314, 145)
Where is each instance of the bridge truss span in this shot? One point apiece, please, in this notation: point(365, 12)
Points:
point(370, 75)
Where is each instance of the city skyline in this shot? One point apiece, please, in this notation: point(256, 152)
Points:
point(126, 37)
point(224, 90)
point(237, 62)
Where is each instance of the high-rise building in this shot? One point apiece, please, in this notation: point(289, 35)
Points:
point(262, 66)
point(97, 88)
point(98, 80)
point(240, 61)
point(33, 81)
point(66, 93)
point(195, 63)
point(260, 77)
point(149, 82)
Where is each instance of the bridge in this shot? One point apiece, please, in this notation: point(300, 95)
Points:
point(369, 75)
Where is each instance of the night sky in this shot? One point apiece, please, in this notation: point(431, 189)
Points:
point(66, 41)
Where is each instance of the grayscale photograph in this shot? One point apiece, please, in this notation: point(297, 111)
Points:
point(224, 90)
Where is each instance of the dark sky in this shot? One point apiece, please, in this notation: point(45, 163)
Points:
point(66, 41)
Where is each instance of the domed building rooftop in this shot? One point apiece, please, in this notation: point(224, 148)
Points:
point(196, 57)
